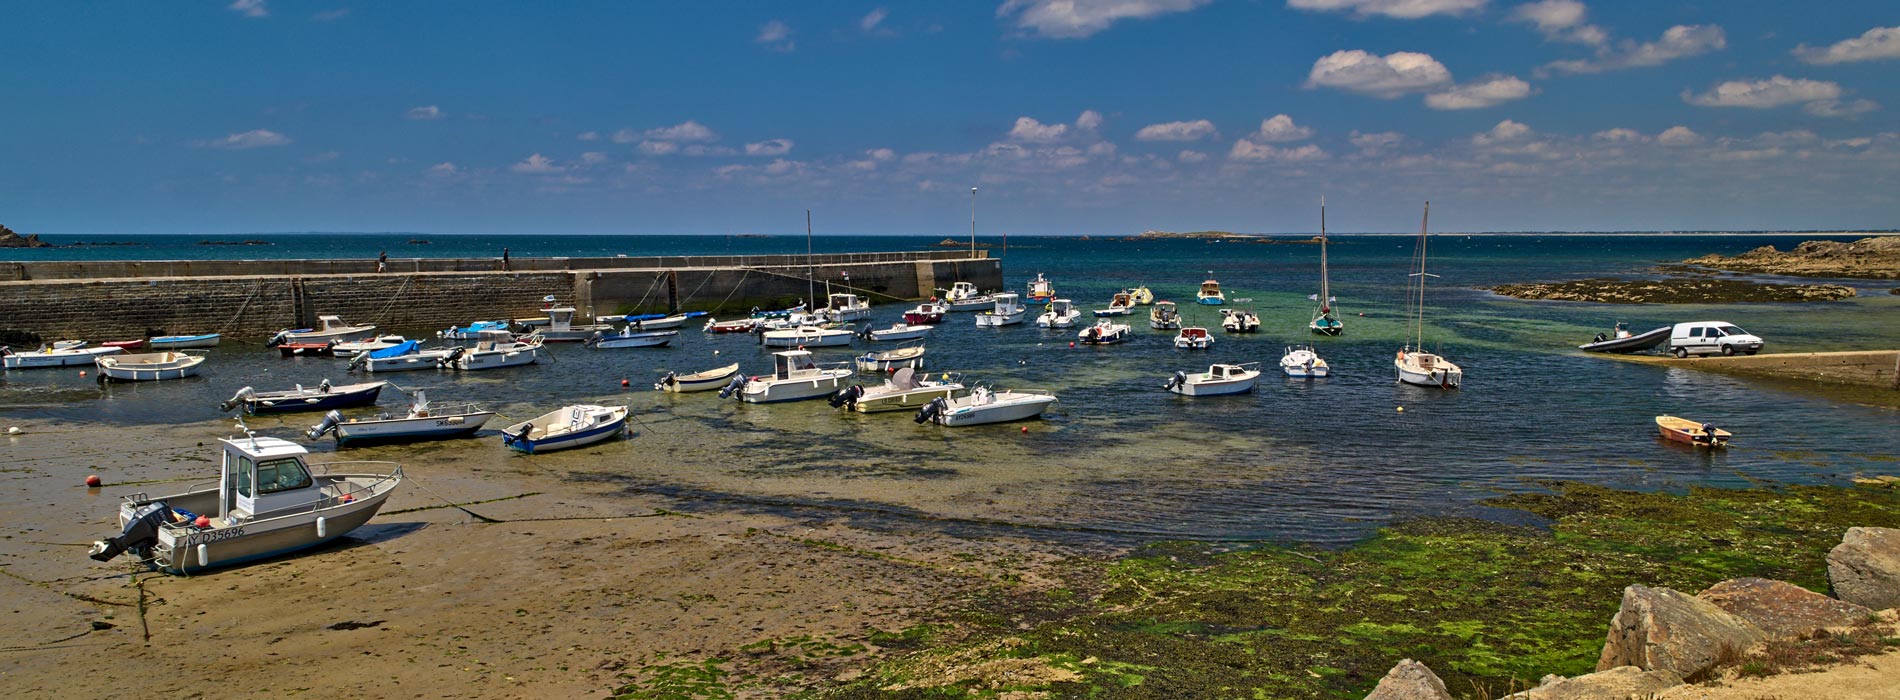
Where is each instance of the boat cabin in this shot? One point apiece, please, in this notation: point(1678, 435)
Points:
point(962, 290)
point(1219, 372)
point(843, 301)
point(1059, 307)
point(1006, 303)
point(1123, 299)
point(263, 476)
point(331, 323)
point(561, 318)
point(1210, 288)
point(1195, 333)
point(792, 364)
point(487, 340)
point(1040, 286)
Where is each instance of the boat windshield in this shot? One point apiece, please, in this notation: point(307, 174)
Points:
point(277, 475)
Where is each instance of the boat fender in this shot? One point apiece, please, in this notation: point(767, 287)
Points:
point(931, 410)
point(323, 527)
point(204, 556)
point(738, 384)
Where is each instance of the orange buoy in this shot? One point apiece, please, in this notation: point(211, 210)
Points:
point(624, 382)
point(82, 373)
point(202, 521)
point(1071, 343)
point(94, 481)
point(1025, 430)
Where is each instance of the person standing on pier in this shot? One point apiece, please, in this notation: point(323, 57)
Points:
point(504, 260)
point(382, 261)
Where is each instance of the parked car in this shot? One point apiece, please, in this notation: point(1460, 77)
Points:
point(1710, 337)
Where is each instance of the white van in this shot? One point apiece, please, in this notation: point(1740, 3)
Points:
point(1710, 337)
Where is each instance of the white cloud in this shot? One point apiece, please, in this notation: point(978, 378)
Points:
point(423, 113)
point(769, 147)
point(704, 150)
point(1280, 128)
point(255, 138)
point(1487, 93)
point(443, 168)
point(872, 158)
point(1385, 77)
point(536, 164)
point(1763, 94)
point(1561, 20)
point(657, 148)
point(1876, 44)
point(1506, 131)
point(1376, 142)
point(1840, 108)
point(1678, 136)
point(1076, 19)
point(1398, 9)
point(1680, 41)
point(1089, 120)
point(1032, 131)
point(1247, 151)
point(872, 19)
point(1191, 156)
point(688, 130)
point(1176, 131)
point(593, 158)
point(1621, 135)
point(588, 136)
point(776, 35)
point(249, 8)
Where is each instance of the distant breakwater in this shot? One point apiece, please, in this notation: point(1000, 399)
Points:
point(116, 300)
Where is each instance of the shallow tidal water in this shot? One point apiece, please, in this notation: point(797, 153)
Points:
point(1120, 461)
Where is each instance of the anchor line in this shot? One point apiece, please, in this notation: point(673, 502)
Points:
point(241, 308)
point(381, 315)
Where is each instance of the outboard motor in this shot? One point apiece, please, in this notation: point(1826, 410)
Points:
point(866, 333)
point(357, 362)
point(278, 339)
point(847, 397)
point(670, 379)
point(737, 385)
point(324, 386)
point(932, 410)
point(449, 359)
point(329, 423)
point(238, 399)
point(140, 533)
point(1178, 379)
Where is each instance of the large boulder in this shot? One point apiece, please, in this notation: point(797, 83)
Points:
point(1782, 609)
point(1864, 569)
point(1658, 629)
point(1410, 680)
point(1620, 683)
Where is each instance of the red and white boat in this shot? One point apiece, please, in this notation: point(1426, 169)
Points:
point(927, 313)
point(743, 325)
point(124, 344)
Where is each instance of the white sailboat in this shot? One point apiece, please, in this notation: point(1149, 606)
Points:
point(1324, 322)
point(1415, 365)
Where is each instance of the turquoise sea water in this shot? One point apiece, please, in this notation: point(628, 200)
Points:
point(1121, 459)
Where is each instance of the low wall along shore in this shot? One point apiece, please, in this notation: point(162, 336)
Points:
point(115, 300)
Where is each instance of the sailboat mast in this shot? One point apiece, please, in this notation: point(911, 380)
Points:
point(811, 271)
point(1325, 294)
point(1424, 238)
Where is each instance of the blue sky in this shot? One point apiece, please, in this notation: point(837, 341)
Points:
point(1072, 116)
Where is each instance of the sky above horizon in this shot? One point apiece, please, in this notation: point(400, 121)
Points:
point(1071, 116)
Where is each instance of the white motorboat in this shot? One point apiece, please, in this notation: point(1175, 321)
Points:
point(402, 358)
point(149, 367)
point(329, 328)
point(1060, 314)
point(1194, 338)
point(983, 405)
point(1416, 366)
point(321, 397)
point(1210, 293)
point(184, 342)
point(1164, 317)
point(562, 329)
point(652, 322)
point(494, 350)
point(471, 331)
point(423, 421)
point(267, 502)
point(1302, 362)
point(1103, 333)
point(630, 338)
point(904, 390)
point(352, 348)
point(806, 337)
point(795, 376)
point(1041, 289)
point(742, 325)
point(49, 356)
point(1239, 321)
point(708, 380)
point(845, 308)
point(898, 331)
point(1008, 311)
point(566, 428)
point(962, 296)
point(1217, 380)
point(911, 356)
point(1122, 305)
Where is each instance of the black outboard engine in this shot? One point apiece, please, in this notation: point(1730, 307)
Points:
point(670, 379)
point(738, 384)
point(847, 397)
point(242, 395)
point(329, 423)
point(449, 359)
point(1178, 379)
point(931, 410)
point(139, 535)
point(278, 339)
point(357, 362)
point(324, 386)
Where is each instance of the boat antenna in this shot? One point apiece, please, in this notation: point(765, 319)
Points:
point(811, 287)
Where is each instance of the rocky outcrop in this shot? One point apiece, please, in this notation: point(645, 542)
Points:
point(1674, 291)
point(1782, 609)
point(1864, 569)
point(1620, 683)
point(1658, 629)
point(11, 239)
point(1410, 680)
point(1875, 258)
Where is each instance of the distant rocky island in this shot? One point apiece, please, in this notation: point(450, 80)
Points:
point(1673, 291)
point(1868, 258)
point(249, 242)
point(954, 243)
point(1220, 236)
point(12, 239)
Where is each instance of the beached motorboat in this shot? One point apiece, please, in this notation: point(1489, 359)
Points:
point(1302, 362)
point(845, 308)
point(904, 390)
point(402, 358)
point(1621, 341)
point(1193, 338)
point(562, 329)
point(1416, 366)
point(49, 356)
point(1008, 311)
point(267, 502)
point(149, 367)
point(184, 342)
point(1690, 432)
point(897, 331)
point(1324, 322)
point(1059, 314)
point(1121, 305)
point(329, 328)
point(983, 405)
point(708, 380)
point(806, 337)
point(743, 325)
point(123, 344)
point(494, 350)
point(927, 313)
point(962, 296)
point(1239, 321)
point(1164, 317)
point(423, 421)
point(630, 338)
point(1210, 293)
point(566, 428)
point(1141, 296)
point(1103, 333)
point(911, 356)
point(321, 397)
point(653, 322)
point(471, 331)
point(1219, 379)
point(1041, 289)
point(794, 376)
point(307, 349)
point(352, 348)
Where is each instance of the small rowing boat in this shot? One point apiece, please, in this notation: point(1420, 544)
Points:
point(183, 342)
point(1690, 432)
point(566, 428)
point(147, 367)
point(423, 421)
point(708, 380)
point(321, 397)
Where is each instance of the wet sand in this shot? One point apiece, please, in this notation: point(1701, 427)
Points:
point(586, 580)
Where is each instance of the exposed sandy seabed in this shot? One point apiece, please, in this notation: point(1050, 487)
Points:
point(467, 609)
point(1867, 678)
